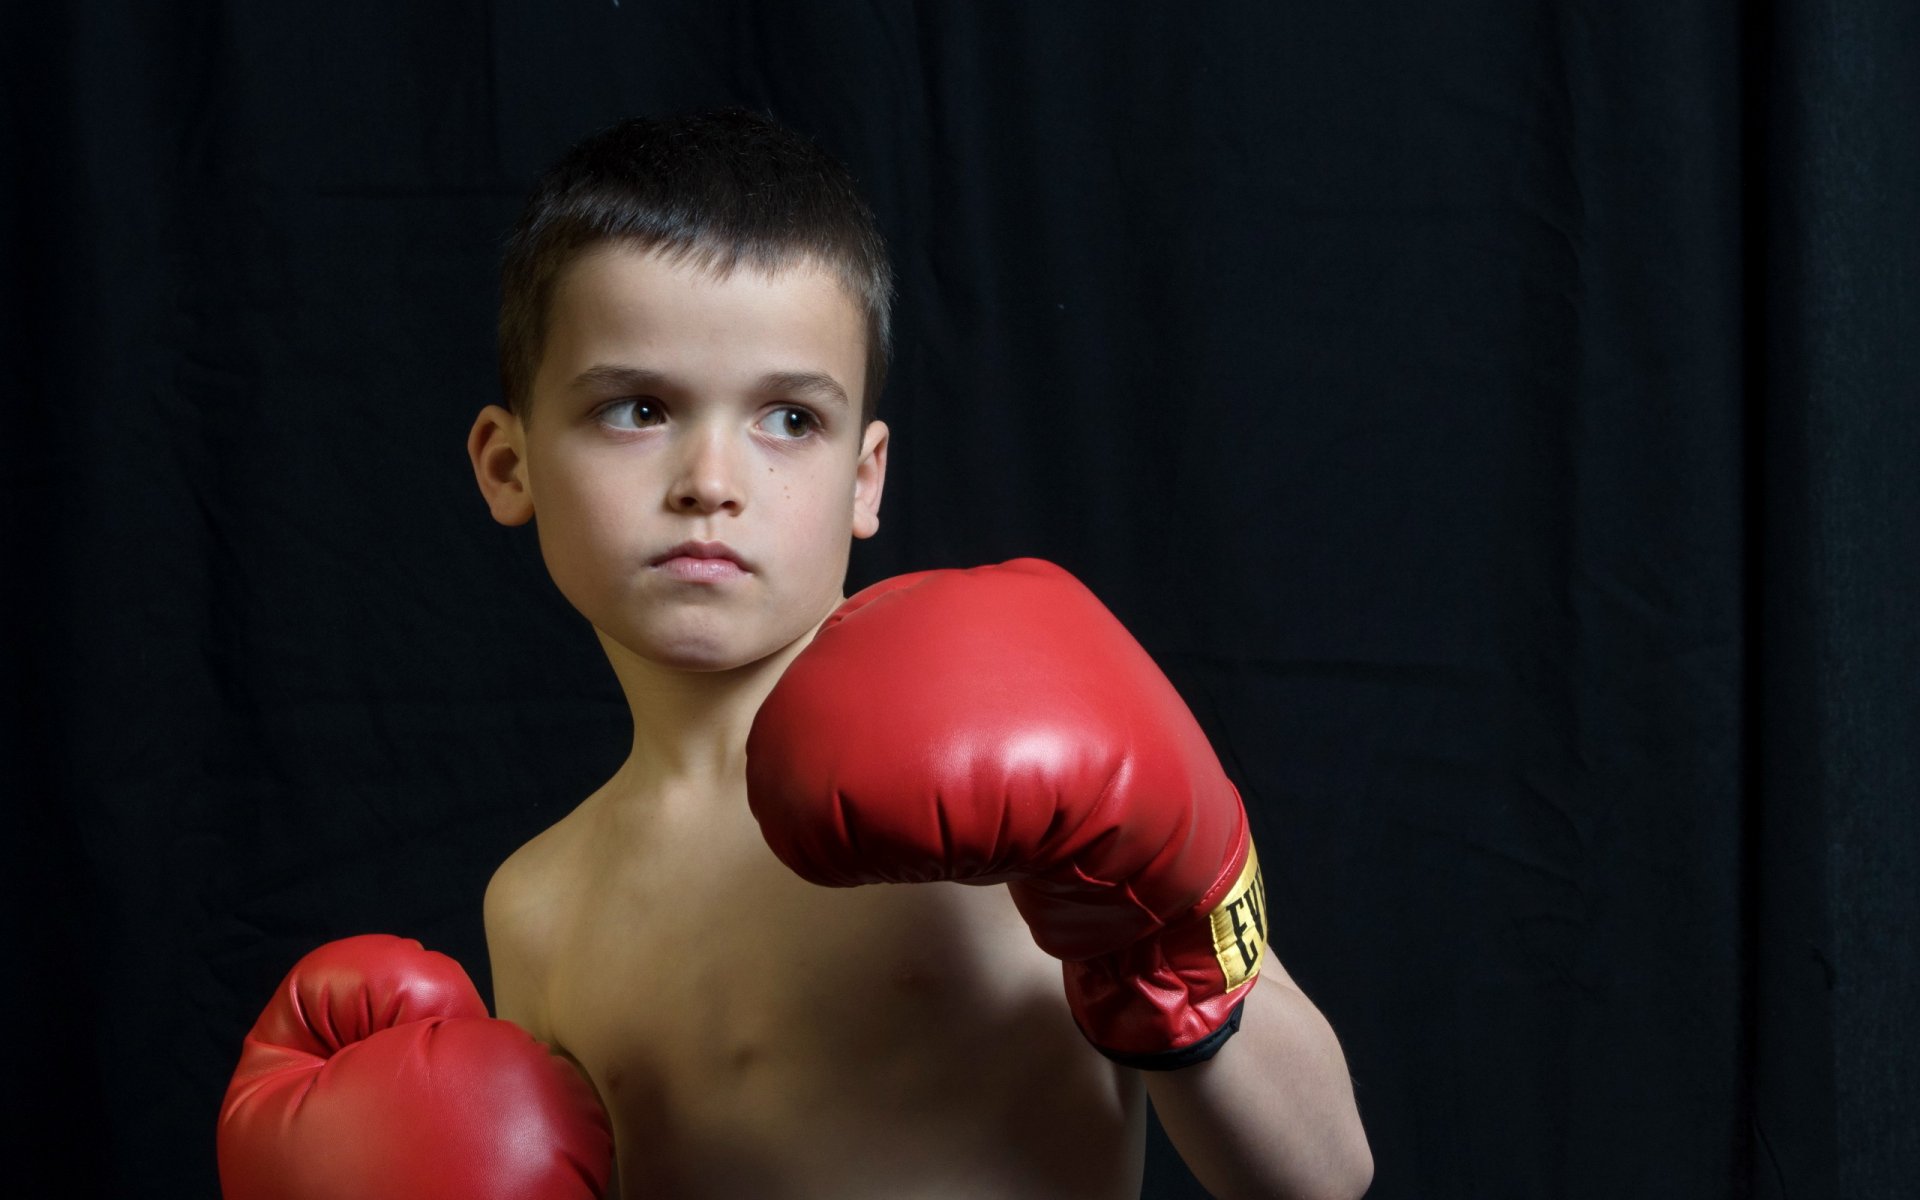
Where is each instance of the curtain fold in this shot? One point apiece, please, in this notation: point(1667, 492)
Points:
point(1834, 593)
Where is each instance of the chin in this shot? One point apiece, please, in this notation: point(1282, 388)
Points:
point(707, 654)
point(706, 663)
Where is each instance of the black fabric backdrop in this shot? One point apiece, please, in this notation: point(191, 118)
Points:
point(1498, 418)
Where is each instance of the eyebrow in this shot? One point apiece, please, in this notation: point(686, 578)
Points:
point(613, 376)
point(816, 385)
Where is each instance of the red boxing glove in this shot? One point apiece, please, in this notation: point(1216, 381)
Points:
point(375, 1073)
point(1000, 725)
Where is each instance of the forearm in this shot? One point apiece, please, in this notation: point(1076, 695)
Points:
point(1272, 1114)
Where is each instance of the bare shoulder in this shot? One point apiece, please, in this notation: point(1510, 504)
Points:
point(526, 903)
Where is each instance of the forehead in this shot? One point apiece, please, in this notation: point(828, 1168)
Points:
point(619, 304)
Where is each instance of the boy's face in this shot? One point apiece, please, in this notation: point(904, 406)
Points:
point(694, 459)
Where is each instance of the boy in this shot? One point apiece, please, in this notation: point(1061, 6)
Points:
point(694, 333)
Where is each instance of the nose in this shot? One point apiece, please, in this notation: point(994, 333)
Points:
point(707, 478)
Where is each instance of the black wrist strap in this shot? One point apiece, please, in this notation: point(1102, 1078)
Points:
point(1185, 1056)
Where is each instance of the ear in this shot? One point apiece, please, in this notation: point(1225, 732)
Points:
point(497, 447)
point(869, 480)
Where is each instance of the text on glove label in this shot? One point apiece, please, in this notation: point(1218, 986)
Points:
point(1240, 924)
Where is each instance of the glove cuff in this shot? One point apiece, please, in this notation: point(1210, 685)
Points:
point(1173, 999)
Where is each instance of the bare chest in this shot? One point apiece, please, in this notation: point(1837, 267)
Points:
point(755, 1034)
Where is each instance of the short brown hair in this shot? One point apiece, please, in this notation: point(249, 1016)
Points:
point(718, 188)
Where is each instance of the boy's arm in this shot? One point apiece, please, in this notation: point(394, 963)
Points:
point(1000, 725)
point(505, 911)
point(1272, 1113)
point(517, 914)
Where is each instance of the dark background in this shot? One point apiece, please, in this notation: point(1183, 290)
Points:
point(1498, 417)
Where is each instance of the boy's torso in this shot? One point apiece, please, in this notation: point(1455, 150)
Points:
point(756, 1035)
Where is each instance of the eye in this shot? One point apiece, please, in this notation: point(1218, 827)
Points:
point(791, 424)
point(637, 412)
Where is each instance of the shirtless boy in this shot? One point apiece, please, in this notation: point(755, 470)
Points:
point(694, 333)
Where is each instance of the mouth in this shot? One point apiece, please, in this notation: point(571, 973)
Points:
point(701, 562)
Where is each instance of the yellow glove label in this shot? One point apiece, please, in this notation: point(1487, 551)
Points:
point(1240, 924)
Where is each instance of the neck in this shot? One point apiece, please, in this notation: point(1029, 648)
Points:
point(690, 727)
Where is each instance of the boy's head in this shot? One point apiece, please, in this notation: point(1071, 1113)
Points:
point(698, 309)
point(716, 190)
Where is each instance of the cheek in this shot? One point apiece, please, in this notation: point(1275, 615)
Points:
point(819, 509)
point(584, 528)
